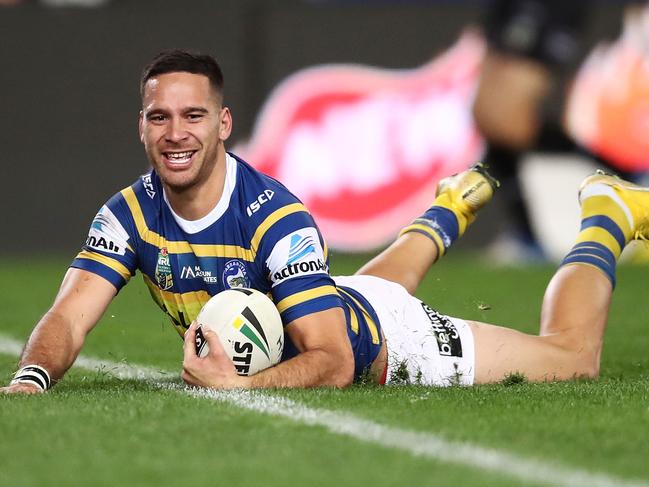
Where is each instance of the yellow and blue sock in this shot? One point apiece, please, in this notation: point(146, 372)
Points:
point(441, 223)
point(605, 231)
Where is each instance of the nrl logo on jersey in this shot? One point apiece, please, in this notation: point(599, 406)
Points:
point(163, 270)
point(195, 272)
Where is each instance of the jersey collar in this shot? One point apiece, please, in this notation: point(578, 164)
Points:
point(195, 226)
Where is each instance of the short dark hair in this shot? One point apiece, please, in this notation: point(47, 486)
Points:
point(177, 60)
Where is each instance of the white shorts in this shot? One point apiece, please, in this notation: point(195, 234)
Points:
point(424, 347)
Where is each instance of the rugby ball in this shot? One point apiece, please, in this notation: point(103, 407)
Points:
point(249, 326)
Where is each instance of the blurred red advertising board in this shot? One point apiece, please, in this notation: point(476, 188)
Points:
point(365, 147)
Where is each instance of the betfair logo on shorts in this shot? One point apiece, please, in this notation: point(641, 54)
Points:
point(448, 339)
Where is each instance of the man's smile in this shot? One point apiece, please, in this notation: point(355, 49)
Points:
point(178, 158)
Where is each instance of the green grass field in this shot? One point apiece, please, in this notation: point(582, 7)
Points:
point(94, 429)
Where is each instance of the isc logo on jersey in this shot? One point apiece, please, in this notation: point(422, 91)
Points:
point(297, 254)
point(148, 185)
point(107, 234)
point(264, 197)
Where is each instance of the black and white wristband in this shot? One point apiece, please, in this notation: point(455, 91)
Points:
point(33, 374)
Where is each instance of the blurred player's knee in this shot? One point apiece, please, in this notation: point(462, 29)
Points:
point(507, 102)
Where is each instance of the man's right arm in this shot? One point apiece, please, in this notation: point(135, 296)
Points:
point(58, 337)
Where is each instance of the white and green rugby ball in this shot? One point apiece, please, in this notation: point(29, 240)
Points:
point(249, 326)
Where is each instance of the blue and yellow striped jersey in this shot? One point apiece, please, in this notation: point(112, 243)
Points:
point(259, 235)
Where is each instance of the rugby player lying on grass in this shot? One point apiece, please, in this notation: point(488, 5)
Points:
point(193, 212)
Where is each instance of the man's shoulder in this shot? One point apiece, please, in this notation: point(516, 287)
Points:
point(143, 196)
point(135, 203)
point(261, 195)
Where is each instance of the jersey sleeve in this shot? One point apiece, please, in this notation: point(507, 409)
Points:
point(296, 262)
point(109, 250)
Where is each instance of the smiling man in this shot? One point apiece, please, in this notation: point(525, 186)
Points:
point(202, 221)
point(183, 125)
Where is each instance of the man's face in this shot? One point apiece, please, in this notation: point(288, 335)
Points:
point(182, 126)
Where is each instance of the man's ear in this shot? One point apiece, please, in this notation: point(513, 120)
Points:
point(225, 128)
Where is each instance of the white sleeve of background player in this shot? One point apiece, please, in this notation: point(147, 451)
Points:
point(107, 235)
point(298, 254)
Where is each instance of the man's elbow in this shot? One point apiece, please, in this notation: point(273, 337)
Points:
point(344, 375)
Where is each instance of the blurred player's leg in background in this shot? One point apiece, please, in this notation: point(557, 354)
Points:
point(531, 45)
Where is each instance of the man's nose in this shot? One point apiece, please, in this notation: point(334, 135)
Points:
point(176, 130)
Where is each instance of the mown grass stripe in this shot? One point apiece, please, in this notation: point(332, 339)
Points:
point(417, 443)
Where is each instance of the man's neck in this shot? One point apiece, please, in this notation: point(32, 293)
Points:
point(197, 201)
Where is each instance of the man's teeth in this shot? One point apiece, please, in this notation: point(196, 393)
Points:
point(179, 156)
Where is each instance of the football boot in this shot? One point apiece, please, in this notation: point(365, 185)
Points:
point(467, 191)
point(631, 198)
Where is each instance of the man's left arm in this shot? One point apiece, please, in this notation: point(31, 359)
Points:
point(325, 358)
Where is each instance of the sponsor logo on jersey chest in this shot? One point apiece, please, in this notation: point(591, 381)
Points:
point(195, 272)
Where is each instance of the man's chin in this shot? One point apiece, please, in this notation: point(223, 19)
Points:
point(177, 181)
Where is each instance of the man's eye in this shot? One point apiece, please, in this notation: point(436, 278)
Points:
point(156, 118)
point(195, 116)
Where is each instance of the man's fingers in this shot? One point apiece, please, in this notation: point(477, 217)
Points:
point(189, 347)
point(214, 342)
point(21, 388)
point(188, 378)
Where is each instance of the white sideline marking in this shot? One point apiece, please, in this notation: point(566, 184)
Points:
point(417, 443)
point(9, 346)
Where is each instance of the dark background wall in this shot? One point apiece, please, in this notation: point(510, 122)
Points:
point(69, 84)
